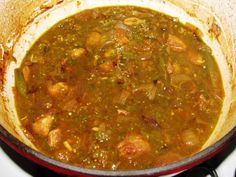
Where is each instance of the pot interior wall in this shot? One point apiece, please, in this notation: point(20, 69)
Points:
point(16, 38)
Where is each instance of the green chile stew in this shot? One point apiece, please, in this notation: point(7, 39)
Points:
point(119, 88)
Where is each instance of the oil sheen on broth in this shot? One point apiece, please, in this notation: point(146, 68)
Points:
point(119, 88)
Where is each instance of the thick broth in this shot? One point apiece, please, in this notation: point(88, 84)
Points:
point(119, 88)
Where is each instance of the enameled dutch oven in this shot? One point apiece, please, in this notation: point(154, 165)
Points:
point(23, 21)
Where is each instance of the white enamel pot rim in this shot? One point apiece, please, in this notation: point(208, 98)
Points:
point(23, 22)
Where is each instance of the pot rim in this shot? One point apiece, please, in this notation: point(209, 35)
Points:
point(68, 169)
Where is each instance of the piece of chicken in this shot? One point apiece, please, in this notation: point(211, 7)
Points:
point(133, 146)
point(43, 124)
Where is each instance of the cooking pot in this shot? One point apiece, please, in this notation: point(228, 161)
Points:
point(23, 21)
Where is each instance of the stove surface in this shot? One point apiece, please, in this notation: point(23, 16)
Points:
point(14, 165)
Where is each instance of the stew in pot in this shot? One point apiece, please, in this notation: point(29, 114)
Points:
point(119, 88)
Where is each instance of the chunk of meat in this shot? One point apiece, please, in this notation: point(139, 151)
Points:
point(195, 58)
point(43, 125)
point(54, 137)
point(76, 53)
point(26, 73)
point(71, 105)
point(121, 36)
point(58, 89)
point(133, 146)
point(167, 158)
point(176, 44)
point(106, 67)
point(94, 39)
